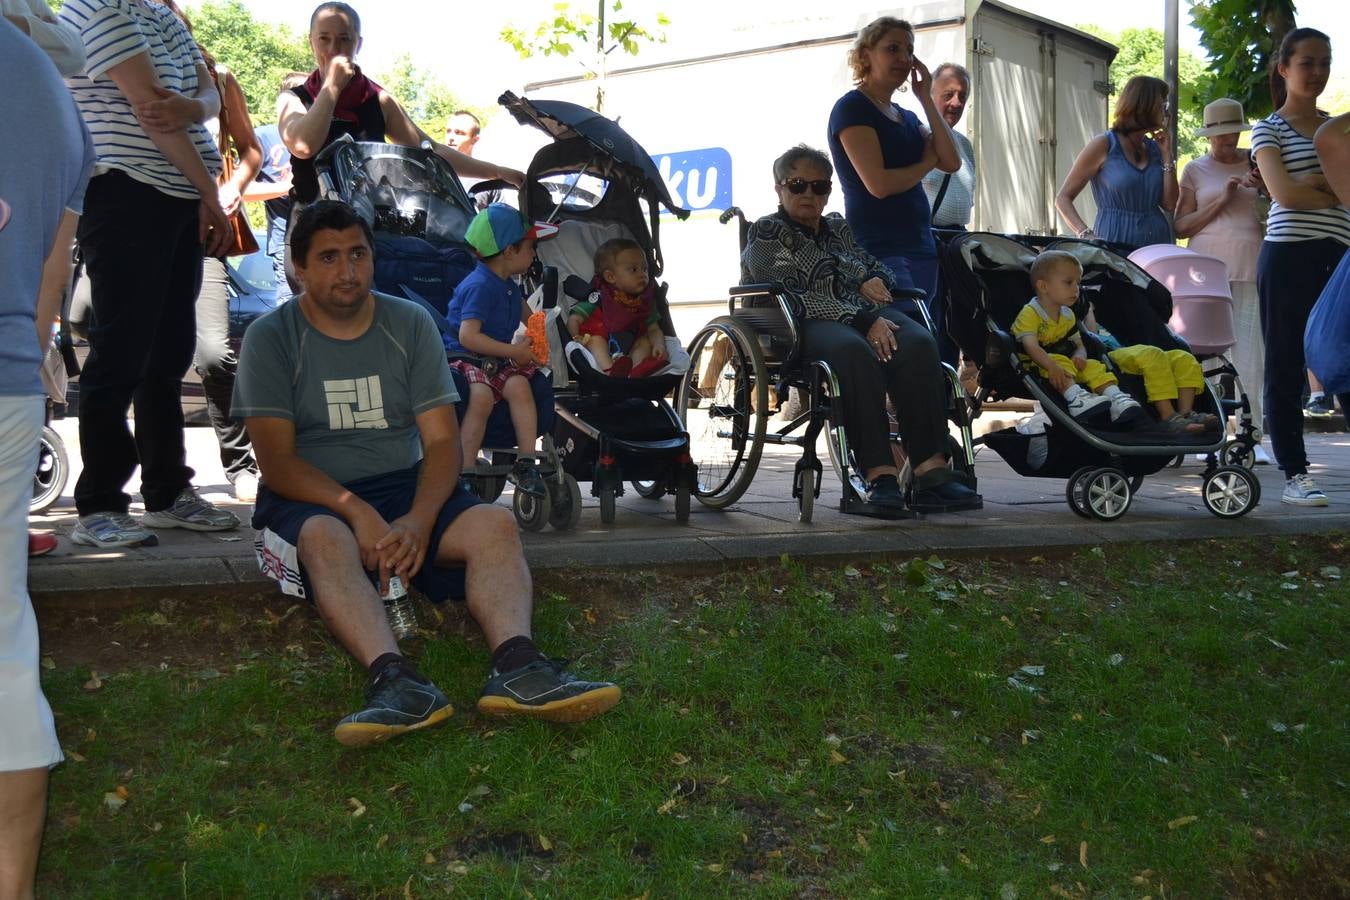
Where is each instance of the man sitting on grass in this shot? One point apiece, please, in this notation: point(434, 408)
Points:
point(348, 402)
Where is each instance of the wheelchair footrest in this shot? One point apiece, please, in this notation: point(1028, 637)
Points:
point(857, 506)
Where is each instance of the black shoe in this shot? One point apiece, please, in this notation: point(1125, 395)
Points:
point(525, 476)
point(882, 501)
point(943, 490)
point(544, 690)
point(395, 703)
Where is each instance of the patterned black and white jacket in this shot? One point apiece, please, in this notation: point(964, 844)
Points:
point(825, 269)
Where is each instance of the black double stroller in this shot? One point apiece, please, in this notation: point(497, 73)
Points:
point(419, 212)
point(987, 277)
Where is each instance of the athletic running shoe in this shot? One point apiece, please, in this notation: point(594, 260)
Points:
point(1301, 490)
point(396, 703)
point(1321, 407)
point(543, 689)
point(40, 544)
point(1126, 411)
point(191, 512)
point(110, 529)
point(1085, 403)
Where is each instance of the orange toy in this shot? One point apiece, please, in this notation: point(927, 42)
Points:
point(534, 328)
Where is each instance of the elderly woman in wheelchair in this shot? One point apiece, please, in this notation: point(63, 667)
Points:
point(852, 320)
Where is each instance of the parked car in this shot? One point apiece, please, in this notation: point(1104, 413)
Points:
point(252, 288)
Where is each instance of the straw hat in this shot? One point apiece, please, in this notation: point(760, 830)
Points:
point(1223, 116)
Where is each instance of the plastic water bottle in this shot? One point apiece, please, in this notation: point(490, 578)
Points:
point(398, 607)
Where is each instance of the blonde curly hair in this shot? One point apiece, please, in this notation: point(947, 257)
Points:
point(868, 37)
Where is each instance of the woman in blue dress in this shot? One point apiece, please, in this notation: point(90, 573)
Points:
point(882, 152)
point(1131, 170)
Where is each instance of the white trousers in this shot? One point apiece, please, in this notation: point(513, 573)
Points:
point(27, 732)
point(1249, 353)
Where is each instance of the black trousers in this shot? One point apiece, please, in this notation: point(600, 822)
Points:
point(1290, 276)
point(144, 262)
point(913, 377)
point(216, 363)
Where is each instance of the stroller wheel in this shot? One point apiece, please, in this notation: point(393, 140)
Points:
point(1238, 453)
point(607, 503)
point(532, 513)
point(1106, 493)
point(683, 495)
point(649, 490)
point(1073, 491)
point(566, 503)
point(53, 468)
point(1231, 491)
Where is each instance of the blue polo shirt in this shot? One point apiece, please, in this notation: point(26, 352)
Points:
point(494, 301)
point(898, 225)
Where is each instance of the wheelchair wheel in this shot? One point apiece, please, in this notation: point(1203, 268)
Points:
point(806, 497)
point(53, 468)
point(649, 490)
point(532, 513)
point(1231, 491)
point(727, 420)
point(566, 503)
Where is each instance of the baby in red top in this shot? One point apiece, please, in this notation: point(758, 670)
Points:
point(620, 312)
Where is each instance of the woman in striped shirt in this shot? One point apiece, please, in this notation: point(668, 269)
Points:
point(151, 207)
point(1306, 235)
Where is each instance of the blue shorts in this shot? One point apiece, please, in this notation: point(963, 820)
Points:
point(277, 523)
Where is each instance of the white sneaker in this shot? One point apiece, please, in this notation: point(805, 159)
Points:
point(1262, 457)
point(1301, 490)
point(1084, 402)
point(1125, 410)
point(191, 512)
point(112, 529)
point(246, 488)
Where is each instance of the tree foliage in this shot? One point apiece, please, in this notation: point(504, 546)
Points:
point(258, 53)
point(1141, 53)
point(1240, 37)
point(600, 34)
point(424, 97)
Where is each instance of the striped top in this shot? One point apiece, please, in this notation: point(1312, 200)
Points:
point(1299, 158)
point(959, 200)
point(114, 31)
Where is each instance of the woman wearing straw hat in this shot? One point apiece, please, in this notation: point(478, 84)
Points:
point(1217, 211)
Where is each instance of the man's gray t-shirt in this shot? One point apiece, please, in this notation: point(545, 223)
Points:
point(353, 403)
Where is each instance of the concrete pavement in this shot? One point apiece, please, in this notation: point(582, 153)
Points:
point(1019, 512)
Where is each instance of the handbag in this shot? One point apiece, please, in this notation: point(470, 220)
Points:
point(242, 241)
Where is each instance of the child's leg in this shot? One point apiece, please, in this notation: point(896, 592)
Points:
point(516, 392)
point(641, 349)
point(1097, 378)
point(1154, 366)
point(475, 422)
point(599, 348)
point(1188, 376)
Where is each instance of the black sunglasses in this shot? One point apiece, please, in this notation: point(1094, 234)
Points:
point(821, 187)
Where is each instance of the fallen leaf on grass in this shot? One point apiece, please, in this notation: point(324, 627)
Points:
point(1082, 854)
point(680, 759)
point(429, 859)
point(1181, 822)
point(358, 808)
point(113, 802)
point(1048, 839)
point(714, 867)
point(862, 843)
point(837, 758)
point(74, 757)
point(850, 572)
point(48, 662)
point(545, 844)
point(94, 683)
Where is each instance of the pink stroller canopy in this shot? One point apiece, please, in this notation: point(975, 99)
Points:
point(1202, 307)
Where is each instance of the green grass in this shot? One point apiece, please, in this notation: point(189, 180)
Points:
point(791, 730)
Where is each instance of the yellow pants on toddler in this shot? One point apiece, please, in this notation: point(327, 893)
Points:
point(1165, 372)
point(1093, 375)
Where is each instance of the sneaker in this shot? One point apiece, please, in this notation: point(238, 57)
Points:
point(191, 512)
point(1085, 403)
point(1301, 490)
point(246, 487)
point(111, 529)
point(525, 476)
point(942, 490)
point(1126, 411)
point(544, 690)
point(1262, 457)
point(1321, 407)
point(40, 544)
point(396, 703)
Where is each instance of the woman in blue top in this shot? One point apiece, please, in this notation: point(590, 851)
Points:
point(1131, 169)
point(882, 152)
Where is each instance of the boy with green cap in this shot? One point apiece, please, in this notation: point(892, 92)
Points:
point(486, 310)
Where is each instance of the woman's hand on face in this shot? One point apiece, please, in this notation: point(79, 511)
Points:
point(882, 338)
point(920, 81)
point(230, 201)
point(341, 70)
point(169, 112)
point(875, 290)
point(1163, 138)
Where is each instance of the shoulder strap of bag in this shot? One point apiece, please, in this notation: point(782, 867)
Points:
point(942, 192)
point(225, 142)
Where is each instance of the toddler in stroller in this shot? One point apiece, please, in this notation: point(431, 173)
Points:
point(619, 322)
point(484, 314)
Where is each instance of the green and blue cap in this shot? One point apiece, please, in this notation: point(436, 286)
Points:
point(499, 226)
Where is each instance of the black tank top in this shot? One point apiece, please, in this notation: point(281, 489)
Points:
point(368, 127)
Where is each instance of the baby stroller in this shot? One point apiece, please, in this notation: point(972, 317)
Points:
point(596, 183)
point(1202, 316)
point(988, 282)
point(418, 211)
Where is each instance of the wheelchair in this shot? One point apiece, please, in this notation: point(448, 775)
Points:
point(723, 401)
